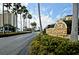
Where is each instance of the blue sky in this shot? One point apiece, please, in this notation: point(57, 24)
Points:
point(52, 11)
point(56, 8)
point(53, 8)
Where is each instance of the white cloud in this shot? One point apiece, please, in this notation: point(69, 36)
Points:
point(58, 16)
point(24, 4)
point(51, 12)
point(65, 9)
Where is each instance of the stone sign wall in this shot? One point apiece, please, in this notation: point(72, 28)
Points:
point(60, 29)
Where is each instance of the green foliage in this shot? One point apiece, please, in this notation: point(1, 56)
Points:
point(33, 24)
point(47, 45)
point(29, 16)
point(9, 28)
point(12, 34)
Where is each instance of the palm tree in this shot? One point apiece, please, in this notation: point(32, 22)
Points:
point(25, 13)
point(33, 24)
point(39, 17)
point(20, 11)
point(74, 31)
point(29, 17)
point(24, 17)
point(15, 11)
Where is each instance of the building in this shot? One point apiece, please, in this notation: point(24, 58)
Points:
point(9, 18)
point(68, 17)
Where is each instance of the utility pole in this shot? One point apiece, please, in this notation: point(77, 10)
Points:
point(39, 17)
point(3, 18)
point(74, 30)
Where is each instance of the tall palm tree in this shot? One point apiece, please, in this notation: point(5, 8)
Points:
point(20, 11)
point(39, 17)
point(15, 11)
point(25, 12)
point(29, 17)
point(24, 17)
point(74, 31)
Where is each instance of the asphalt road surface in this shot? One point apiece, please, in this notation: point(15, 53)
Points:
point(12, 45)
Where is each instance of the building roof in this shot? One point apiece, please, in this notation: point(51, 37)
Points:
point(68, 15)
point(50, 26)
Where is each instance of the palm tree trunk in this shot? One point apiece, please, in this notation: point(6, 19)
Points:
point(3, 19)
point(26, 22)
point(39, 17)
point(16, 22)
point(8, 17)
point(74, 31)
point(21, 22)
point(29, 23)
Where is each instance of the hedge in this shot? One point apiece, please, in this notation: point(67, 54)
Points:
point(48, 45)
point(12, 34)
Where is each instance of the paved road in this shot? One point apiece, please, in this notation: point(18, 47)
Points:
point(12, 45)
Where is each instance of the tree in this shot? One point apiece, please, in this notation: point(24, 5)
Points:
point(20, 12)
point(24, 17)
point(29, 17)
point(15, 11)
point(74, 31)
point(25, 12)
point(11, 28)
point(33, 24)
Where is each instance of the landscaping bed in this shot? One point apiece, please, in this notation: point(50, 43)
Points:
point(12, 34)
point(48, 45)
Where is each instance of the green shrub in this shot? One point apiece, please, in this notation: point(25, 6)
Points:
point(47, 45)
point(12, 33)
point(68, 48)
